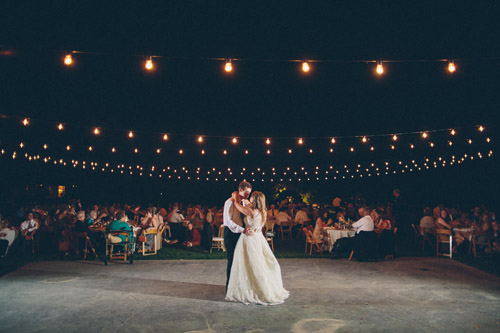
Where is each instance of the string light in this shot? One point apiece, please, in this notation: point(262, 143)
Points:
point(203, 151)
point(268, 141)
point(181, 151)
point(364, 139)
point(289, 151)
point(136, 150)
point(332, 140)
point(68, 147)
point(165, 137)
point(451, 66)
point(481, 128)
point(91, 148)
point(149, 64)
point(380, 68)
point(158, 151)
point(26, 122)
point(97, 131)
point(68, 59)
point(45, 146)
point(235, 140)
point(228, 67)
point(305, 67)
point(452, 132)
point(424, 135)
point(200, 139)
point(131, 134)
point(113, 150)
point(394, 137)
point(300, 141)
point(60, 127)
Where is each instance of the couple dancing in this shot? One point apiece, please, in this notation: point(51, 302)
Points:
point(253, 273)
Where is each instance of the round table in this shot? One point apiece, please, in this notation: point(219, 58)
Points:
point(331, 235)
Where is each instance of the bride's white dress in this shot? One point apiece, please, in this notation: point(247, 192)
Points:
point(255, 274)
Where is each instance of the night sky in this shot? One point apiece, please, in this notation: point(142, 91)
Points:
point(188, 93)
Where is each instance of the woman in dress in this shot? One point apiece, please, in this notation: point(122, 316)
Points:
point(255, 274)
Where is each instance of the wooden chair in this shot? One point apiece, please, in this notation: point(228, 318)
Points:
point(301, 229)
point(424, 233)
point(126, 244)
point(269, 233)
point(313, 242)
point(88, 243)
point(154, 250)
point(444, 236)
point(476, 241)
point(417, 235)
point(218, 242)
point(286, 228)
point(159, 240)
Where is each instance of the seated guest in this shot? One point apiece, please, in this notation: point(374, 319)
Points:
point(91, 219)
point(443, 221)
point(147, 223)
point(197, 218)
point(272, 213)
point(386, 239)
point(193, 237)
point(427, 221)
point(365, 240)
point(301, 216)
point(496, 235)
point(174, 219)
point(121, 223)
point(8, 235)
point(283, 216)
point(28, 230)
point(321, 222)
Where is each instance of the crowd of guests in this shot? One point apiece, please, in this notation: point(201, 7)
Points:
point(60, 227)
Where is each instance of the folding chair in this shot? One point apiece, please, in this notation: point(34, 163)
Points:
point(425, 237)
point(269, 233)
point(145, 233)
point(127, 244)
point(313, 242)
point(480, 237)
point(218, 242)
point(444, 236)
point(286, 228)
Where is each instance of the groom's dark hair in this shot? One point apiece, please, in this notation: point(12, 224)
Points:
point(244, 184)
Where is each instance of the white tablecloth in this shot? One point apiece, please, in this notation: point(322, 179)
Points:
point(331, 236)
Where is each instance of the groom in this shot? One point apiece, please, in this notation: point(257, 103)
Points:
point(233, 225)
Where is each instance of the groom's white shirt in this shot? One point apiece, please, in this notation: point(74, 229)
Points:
point(227, 219)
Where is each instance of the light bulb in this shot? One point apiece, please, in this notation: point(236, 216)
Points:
point(235, 140)
point(333, 140)
point(268, 141)
point(200, 139)
point(452, 132)
point(60, 127)
point(451, 66)
point(149, 64)
point(481, 128)
point(228, 67)
point(97, 131)
point(26, 122)
point(305, 67)
point(394, 137)
point(301, 141)
point(68, 60)
point(364, 139)
point(165, 137)
point(424, 135)
point(131, 134)
point(380, 68)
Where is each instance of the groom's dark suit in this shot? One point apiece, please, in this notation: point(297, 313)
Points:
point(231, 238)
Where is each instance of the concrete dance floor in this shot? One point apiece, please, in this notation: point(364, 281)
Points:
point(408, 294)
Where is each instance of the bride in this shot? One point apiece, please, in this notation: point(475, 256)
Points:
point(255, 274)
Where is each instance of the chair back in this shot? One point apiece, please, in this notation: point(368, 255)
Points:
point(270, 225)
point(221, 231)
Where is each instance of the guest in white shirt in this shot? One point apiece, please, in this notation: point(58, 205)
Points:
point(301, 216)
point(28, 230)
point(365, 240)
point(283, 216)
point(174, 219)
point(365, 223)
point(272, 213)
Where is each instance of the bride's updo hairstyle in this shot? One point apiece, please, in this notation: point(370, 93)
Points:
point(259, 203)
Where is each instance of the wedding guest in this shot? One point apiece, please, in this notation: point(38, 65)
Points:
point(386, 239)
point(121, 223)
point(272, 213)
point(193, 237)
point(427, 221)
point(197, 218)
point(174, 219)
point(8, 235)
point(28, 230)
point(365, 240)
point(443, 221)
point(321, 222)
